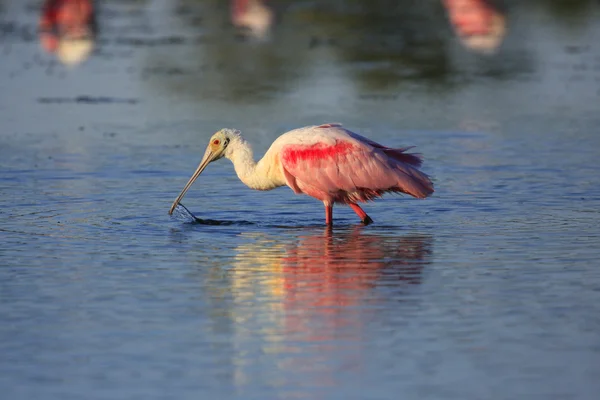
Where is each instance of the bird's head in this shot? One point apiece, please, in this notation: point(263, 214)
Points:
point(218, 147)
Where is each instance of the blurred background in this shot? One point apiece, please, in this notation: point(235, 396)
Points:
point(488, 290)
point(324, 59)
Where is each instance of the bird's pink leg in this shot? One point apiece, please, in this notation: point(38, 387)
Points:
point(328, 213)
point(361, 214)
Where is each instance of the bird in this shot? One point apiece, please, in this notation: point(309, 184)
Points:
point(67, 28)
point(479, 24)
point(253, 17)
point(327, 162)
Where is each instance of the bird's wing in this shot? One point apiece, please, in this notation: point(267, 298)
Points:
point(331, 161)
point(329, 133)
point(399, 153)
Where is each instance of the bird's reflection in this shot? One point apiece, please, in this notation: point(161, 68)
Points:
point(66, 28)
point(319, 291)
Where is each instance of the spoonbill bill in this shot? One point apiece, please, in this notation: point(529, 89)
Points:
point(327, 162)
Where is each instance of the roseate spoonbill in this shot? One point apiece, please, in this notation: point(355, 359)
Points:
point(253, 15)
point(66, 27)
point(327, 162)
point(478, 24)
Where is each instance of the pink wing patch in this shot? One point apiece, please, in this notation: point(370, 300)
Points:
point(348, 172)
point(314, 169)
point(291, 155)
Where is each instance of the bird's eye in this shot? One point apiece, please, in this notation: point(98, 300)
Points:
point(216, 142)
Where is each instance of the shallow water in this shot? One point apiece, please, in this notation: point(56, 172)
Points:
point(489, 289)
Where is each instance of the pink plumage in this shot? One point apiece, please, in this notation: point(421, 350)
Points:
point(335, 165)
point(327, 162)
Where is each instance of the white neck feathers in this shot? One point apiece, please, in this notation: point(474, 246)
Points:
point(259, 176)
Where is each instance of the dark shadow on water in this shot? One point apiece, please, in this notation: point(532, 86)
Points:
point(182, 214)
point(82, 99)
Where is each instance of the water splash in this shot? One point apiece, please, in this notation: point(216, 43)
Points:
point(182, 214)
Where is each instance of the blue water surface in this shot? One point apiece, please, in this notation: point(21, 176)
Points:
point(488, 290)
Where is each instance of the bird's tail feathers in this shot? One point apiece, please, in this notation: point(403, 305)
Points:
point(414, 159)
point(420, 184)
